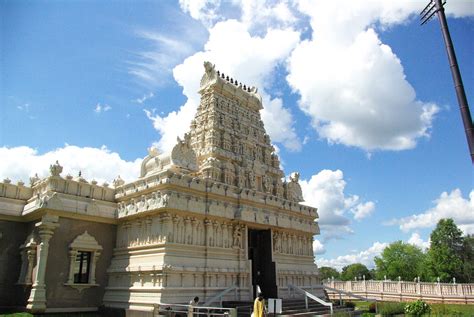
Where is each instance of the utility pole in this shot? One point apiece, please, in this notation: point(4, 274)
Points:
point(436, 6)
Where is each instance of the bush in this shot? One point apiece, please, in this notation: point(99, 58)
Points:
point(368, 315)
point(389, 308)
point(372, 308)
point(349, 304)
point(417, 308)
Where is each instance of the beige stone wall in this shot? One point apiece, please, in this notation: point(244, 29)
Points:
point(59, 295)
point(13, 234)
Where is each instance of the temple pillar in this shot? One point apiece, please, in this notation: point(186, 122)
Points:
point(37, 299)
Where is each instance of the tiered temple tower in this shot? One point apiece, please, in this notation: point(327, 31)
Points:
point(214, 212)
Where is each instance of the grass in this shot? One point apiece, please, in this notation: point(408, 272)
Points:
point(437, 310)
point(52, 315)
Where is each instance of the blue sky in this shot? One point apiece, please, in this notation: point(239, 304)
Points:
point(358, 98)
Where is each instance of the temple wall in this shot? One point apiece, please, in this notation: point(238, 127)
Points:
point(59, 295)
point(12, 236)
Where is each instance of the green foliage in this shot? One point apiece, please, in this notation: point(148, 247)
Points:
point(399, 259)
point(326, 272)
point(445, 254)
point(468, 259)
point(417, 308)
point(390, 308)
point(372, 308)
point(350, 272)
point(349, 305)
point(368, 314)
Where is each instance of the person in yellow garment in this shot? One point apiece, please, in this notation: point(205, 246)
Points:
point(193, 303)
point(259, 306)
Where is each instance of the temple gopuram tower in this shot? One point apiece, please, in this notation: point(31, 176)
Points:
point(213, 213)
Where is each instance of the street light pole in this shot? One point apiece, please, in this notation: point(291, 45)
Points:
point(436, 6)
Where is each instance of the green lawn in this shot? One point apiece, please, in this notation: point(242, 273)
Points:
point(389, 308)
point(52, 315)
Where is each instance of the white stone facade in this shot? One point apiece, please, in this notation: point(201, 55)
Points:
point(195, 220)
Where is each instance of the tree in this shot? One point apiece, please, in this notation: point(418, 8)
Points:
point(445, 254)
point(399, 259)
point(326, 272)
point(468, 259)
point(356, 270)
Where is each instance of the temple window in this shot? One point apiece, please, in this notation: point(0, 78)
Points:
point(84, 252)
point(82, 267)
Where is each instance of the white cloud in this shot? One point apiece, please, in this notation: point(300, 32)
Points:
point(153, 66)
point(251, 60)
point(460, 8)
point(318, 247)
point(417, 241)
point(203, 10)
point(24, 107)
point(351, 84)
point(99, 108)
point(144, 98)
point(20, 163)
point(325, 191)
point(363, 210)
point(448, 205)
point(365, 257)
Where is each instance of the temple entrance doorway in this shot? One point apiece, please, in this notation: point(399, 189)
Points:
point(263, 269)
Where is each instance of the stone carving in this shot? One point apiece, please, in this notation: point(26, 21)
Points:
point(210, 74)
point(34, 179)
point(56, 169)
point(118, 182)
point(294, 192)
point(237, 237)
point(183, 155)
point(267, 184)
point(251, 179)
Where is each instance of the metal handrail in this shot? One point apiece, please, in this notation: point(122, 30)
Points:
point(231, 312)
point(352, 295)
point(220, 295)
point(313, 297)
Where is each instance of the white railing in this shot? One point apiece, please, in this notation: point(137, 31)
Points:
point(311, 296)
point(219, 296)
point(444, 292)
point(172, 309)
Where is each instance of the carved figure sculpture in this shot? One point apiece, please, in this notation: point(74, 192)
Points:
point(55, 169)
point(294, 192)
point(237, 237)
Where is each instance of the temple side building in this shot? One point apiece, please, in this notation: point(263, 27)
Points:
point(215, 212)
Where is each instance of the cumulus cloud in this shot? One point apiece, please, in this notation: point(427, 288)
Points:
point(365, 257)
point(326, 191)
point(351, 84)
point(251, 60)
point(318, 247)
point(363, 210)
point(417, 241)
point(99, 108)
point(101, 164)
point(448, 205)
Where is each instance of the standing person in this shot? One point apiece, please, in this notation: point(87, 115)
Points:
point(259, 306)
point(192, 304)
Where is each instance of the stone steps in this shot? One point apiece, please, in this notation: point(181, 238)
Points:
point(290, 307)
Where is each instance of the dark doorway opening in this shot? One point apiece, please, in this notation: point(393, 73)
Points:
point(263, 269)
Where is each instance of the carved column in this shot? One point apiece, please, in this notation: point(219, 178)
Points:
point(72, 258)
point(95, 258)
point(31, 255)
point(37, 299)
